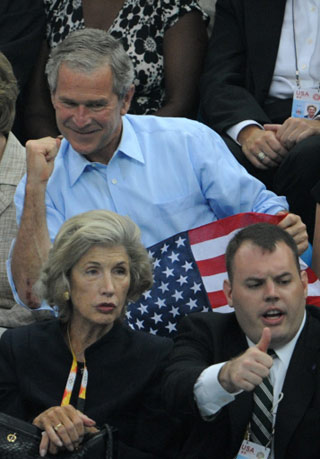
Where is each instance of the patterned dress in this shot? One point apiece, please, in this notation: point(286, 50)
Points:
point(141, 25)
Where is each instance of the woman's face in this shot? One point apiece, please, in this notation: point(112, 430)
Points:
point(99, 285)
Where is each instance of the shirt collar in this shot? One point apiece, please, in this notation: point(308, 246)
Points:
point(128, 146)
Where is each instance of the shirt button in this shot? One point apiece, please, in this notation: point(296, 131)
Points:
point(114, 181)
point(310, 41)
point(303, 66)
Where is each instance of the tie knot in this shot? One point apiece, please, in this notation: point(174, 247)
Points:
point(272, 353)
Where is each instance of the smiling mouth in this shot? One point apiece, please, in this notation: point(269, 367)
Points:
point(84, 132)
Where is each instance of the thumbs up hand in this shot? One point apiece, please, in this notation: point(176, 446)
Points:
point(249, 369)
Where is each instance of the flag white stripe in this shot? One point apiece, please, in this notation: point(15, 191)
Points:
point(214, 283)
point(211, 248)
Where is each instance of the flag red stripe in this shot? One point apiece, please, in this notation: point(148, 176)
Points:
point(212, 266)
point(311, 276)
point(229, 224)
point(315, 300)
point(217, 299)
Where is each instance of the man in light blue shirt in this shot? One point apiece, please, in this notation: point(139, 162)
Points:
point(167, 174)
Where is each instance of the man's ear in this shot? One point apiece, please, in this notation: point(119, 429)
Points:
point(53, 99)
point(126, 101)
point(227, 288)
point(304, 280)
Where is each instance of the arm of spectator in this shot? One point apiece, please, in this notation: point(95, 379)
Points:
point(232, 190)
point(32, 242)
point(209, 395)
point(254, 140)
point(296, 228)
point(184, 49)
point(234, 131)
point(39, 115)
point(293, 130)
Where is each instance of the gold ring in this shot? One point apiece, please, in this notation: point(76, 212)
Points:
point(57, 427)
point(261, 155)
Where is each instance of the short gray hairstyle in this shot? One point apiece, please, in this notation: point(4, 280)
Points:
point(86, 51)
point(76, 236)
point(8, 95)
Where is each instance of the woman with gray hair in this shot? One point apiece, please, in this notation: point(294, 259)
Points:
point(87, 367)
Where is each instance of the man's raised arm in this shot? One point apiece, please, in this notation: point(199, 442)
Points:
point(33, 243)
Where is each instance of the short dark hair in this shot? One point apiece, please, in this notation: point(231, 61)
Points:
point(264, 235)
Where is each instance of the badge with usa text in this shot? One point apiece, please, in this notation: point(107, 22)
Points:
point(250, 450)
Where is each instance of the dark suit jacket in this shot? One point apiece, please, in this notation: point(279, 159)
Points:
point(208, 338)
point(240, 62)
point(124, 368)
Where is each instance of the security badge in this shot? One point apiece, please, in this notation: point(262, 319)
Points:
point(250, 450)
point(306, 103)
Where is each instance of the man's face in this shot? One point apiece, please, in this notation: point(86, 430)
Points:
point(88, 112)
point(267, 291)
point(311, 111)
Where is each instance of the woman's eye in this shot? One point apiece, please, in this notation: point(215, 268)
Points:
point(91, 272)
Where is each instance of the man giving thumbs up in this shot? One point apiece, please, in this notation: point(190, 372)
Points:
point(219, 360)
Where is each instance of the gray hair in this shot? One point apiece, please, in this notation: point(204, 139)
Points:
point(8, 95)
point(76, 236)
point(86, 51)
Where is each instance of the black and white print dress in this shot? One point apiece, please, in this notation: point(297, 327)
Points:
point(141, 25)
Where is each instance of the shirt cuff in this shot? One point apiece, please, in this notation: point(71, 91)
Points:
point(209, 395)
point(234, 131)
point(44, 306)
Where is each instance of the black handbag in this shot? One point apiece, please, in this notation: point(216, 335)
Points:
point(21, 440)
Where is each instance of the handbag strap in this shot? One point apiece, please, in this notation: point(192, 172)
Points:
point(109, 448)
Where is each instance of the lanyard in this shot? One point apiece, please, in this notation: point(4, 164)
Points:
point(298, 82)
point(295, 46)
point(71, 381)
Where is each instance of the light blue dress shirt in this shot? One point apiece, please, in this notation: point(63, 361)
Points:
point(168, 174)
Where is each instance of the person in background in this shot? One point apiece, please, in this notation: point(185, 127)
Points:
point(259, 55)
point(166, 41)
point(12, 168)
point(222, 362)
point(86, 368)
point(22, 29)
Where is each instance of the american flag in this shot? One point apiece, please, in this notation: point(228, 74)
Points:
point(189, 270)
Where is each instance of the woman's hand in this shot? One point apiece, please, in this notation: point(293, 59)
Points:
point(63, 426)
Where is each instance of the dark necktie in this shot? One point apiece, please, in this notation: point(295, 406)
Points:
point(262, 417)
